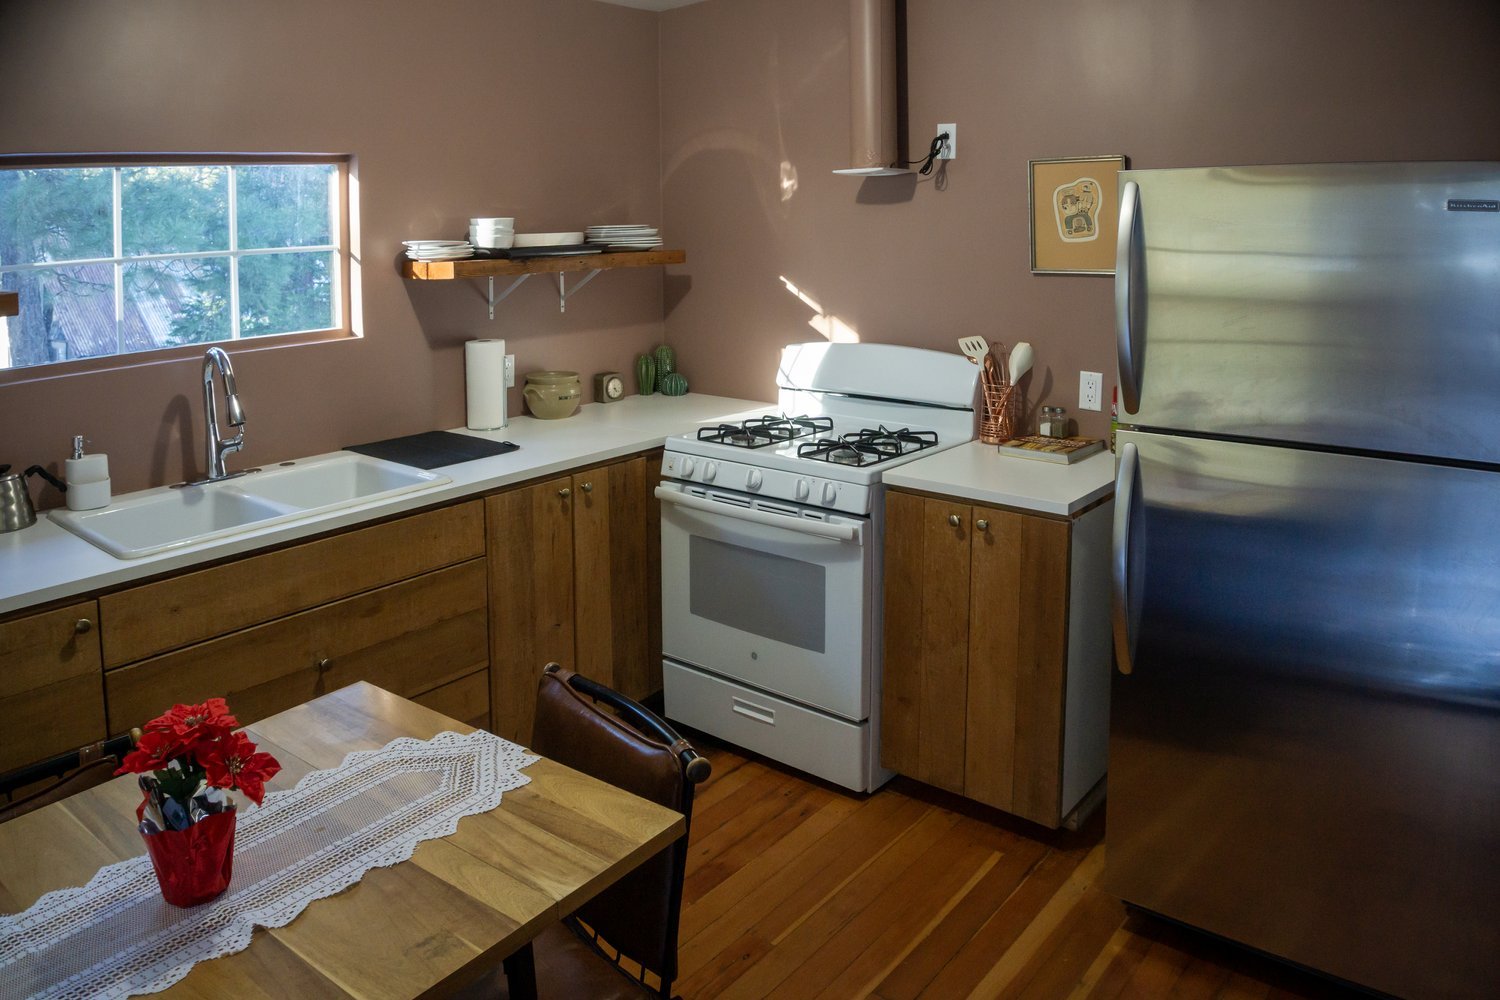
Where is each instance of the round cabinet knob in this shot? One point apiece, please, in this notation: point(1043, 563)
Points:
point(565, 493)
point(323, 665)
point(710, 469)
point(982, 524)
point(830, 492)
point(754, 479)
point(587, 487)
point(82, 625)
point(803, 489)
point(688, 465)
point(953, 520)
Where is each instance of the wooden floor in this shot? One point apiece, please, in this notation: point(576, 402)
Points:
point(796, 889)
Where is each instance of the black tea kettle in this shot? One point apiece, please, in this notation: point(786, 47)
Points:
point(16, 510)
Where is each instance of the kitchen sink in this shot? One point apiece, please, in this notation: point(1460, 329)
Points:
point(152, 521)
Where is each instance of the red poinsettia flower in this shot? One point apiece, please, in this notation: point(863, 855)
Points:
point(193, 723)
point(153, 753)
point(233, 762)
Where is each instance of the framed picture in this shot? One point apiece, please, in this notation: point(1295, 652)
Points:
point(1075, 214)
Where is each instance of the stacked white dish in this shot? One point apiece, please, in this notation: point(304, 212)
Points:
point(625, 237)
point(491, 233)
point(438, 249)
point(548, 239)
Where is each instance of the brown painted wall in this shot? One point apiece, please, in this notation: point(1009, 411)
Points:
point(542, 109)
point(755, 115)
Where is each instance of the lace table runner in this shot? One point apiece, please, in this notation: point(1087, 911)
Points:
point(117, 937)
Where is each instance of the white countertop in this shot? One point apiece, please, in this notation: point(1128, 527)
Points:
point(45, 562)
point(979, 472)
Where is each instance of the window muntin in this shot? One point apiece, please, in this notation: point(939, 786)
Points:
point(114, 260)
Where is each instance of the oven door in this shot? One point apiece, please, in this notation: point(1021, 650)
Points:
point(769, 594)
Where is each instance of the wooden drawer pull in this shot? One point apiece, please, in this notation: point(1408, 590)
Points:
point(82, 625)
point(588, 487)
point(953, 519)
point(982, 524)
point(565, 493)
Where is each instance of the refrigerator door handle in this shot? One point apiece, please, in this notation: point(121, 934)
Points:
point(1130, 296)
point(1125, 604)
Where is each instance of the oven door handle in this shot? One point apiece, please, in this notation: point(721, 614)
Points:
point(802, 525)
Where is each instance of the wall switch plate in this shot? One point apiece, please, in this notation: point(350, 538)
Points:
point(510, 371)
point(950, 147)
point(1090, 390)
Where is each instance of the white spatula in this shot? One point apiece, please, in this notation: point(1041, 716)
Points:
point(975, 347)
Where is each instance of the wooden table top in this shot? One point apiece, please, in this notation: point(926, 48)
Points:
point(425, 927)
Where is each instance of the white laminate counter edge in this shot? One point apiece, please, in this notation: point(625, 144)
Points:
point(46, 562)
point(978, 472)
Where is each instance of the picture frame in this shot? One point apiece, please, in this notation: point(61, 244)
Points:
point(1074, 210)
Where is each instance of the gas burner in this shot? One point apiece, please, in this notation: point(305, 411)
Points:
point(867, 447)
point(762, 431)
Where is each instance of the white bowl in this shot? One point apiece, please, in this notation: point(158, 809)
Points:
point(496, 223)
point(499, 240)
point(548, 239)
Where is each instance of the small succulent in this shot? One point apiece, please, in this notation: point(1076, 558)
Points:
point(674, 384)
point(645, 374)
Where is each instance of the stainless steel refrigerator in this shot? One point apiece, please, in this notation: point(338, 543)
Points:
point(1305, 732)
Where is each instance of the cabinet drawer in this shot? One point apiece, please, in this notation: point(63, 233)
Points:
point(51, 691)
point(168, 614)
point(466, 699)
point(408, 638)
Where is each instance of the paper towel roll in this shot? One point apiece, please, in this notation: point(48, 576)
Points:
point(484, 384)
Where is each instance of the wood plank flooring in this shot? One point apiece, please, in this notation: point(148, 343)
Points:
point(796, 889)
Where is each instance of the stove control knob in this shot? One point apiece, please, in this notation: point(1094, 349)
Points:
point(804, 489)
point(687, 468)
point(753, 480)
point(710, 469)
point(830, 492)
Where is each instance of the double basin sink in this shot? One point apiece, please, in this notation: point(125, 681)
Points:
point(171, 517)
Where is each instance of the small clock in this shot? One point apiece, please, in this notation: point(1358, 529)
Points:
point(608, 387)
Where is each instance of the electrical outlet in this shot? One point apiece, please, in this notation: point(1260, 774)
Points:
point(1090, 390)
point(950, 147)
point(510, 371)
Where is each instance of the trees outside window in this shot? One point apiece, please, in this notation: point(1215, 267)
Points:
point(119, 259)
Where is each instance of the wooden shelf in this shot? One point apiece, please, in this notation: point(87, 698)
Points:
point(447, 270)
point(10, 304)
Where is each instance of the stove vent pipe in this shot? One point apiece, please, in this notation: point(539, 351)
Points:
point(873, 89)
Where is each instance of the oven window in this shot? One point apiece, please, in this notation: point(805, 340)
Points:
point(757, 592)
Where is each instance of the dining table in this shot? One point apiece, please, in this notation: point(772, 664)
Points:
point(430, 926)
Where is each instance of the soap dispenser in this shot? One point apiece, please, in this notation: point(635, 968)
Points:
point(88, 479)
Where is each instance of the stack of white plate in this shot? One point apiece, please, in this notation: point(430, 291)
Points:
point(624, 237)
point(438, 249)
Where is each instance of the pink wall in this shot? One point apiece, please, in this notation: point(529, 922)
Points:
point(755, 115)
point(542, 109)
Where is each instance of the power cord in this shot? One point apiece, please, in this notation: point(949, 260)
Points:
point(930, 160)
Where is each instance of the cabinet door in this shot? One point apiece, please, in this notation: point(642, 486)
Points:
point(926, 639)
point(51, 695)
point(530, 532)
point(612, 579)
point(408, 638)
point(1018, 621)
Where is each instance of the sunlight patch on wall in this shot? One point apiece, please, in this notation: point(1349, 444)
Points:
point(832, 329)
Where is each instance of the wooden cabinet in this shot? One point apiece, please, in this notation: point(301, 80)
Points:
point(995, 624)
point(401, 604)
point(572, 574)
point(51, 685)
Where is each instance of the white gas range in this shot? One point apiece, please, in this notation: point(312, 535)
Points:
point(771, 552)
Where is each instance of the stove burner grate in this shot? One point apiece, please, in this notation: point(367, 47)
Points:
point(761, 432)
point(868, 446)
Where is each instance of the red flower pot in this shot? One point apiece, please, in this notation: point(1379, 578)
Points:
point(194, 865)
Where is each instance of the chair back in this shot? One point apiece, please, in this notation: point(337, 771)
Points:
point(29, 788)
point(639, 914)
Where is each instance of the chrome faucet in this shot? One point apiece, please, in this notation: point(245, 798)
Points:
point(217, 446)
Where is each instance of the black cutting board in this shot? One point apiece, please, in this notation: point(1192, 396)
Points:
point(433, 449)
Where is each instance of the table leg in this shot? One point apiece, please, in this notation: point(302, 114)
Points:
point(520, 973)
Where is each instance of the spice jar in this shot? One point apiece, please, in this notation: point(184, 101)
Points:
point(1059, 422)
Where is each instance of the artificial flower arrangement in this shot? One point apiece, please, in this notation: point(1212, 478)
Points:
point(188, 760)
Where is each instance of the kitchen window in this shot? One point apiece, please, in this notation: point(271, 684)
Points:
point(145, 255)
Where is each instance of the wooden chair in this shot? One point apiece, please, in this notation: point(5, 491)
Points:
point(45, 782)
point(634, 922)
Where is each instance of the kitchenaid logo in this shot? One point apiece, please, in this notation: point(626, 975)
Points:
point(1472, 205)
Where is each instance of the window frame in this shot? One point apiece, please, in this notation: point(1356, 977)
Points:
point(343, 251)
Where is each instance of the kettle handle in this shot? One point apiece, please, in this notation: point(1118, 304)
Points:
point(37, 470)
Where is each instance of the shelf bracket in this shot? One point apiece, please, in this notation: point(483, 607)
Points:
point(563, 294)
point(502, 296)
